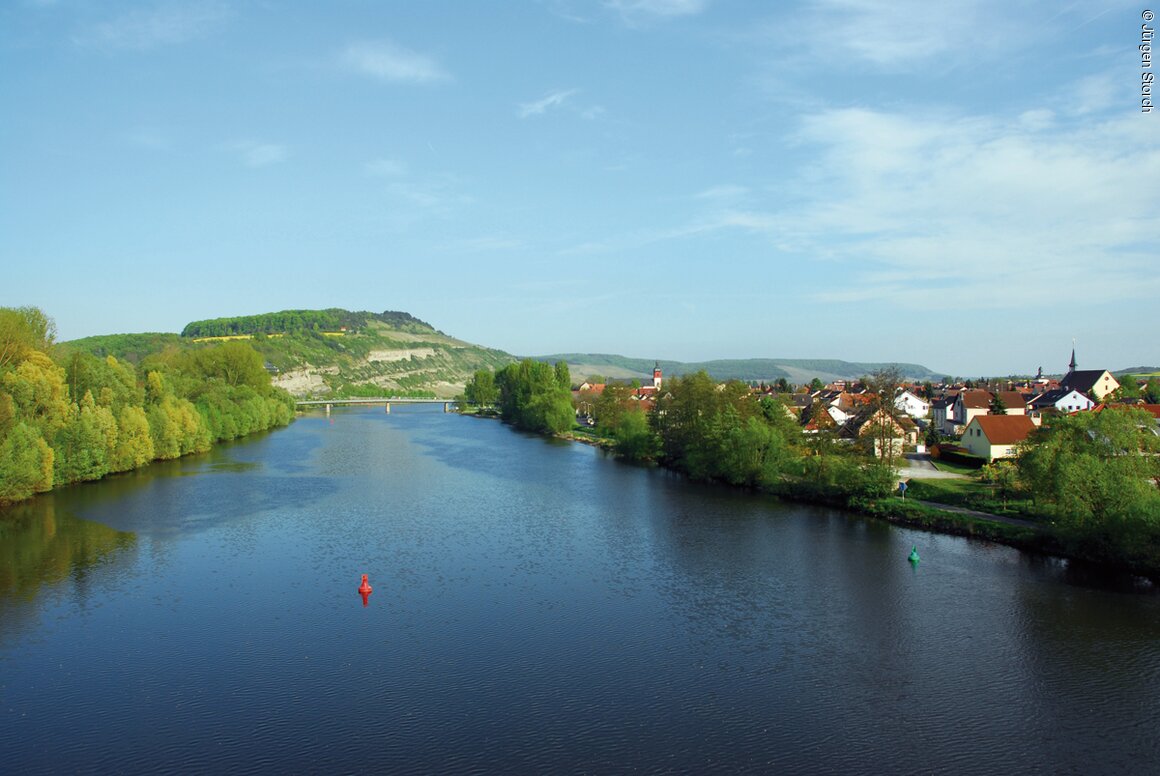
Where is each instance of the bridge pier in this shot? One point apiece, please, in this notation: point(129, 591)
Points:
point(328, 410)
point(447, 406)
point(388, 408)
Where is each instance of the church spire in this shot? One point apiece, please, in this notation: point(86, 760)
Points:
point(1071, 366)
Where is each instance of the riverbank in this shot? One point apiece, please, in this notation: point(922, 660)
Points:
point(1039, 538)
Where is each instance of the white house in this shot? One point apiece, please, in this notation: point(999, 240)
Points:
point(1062, 400)
point(839, 415)
point(914, 406)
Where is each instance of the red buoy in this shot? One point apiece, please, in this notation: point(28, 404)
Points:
point(364, 589)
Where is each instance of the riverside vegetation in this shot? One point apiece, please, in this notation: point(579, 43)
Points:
point(68, 416)
point(1088, 483)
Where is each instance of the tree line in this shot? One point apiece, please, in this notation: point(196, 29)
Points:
point(706, 430)
point(288, 321)
point(69, 416)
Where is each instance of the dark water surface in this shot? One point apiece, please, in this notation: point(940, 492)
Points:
point(538, 608)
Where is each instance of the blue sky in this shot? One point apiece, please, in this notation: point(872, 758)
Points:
point(965, 185)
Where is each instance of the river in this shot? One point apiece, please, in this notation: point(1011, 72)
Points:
point(538, 608)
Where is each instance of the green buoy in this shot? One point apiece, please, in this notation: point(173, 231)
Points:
point(914, 554)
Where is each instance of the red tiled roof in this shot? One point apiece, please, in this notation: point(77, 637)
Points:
point(976, 400)
point(1005, 429)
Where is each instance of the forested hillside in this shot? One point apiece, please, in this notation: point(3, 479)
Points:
point(328, 353)
point(67, 415)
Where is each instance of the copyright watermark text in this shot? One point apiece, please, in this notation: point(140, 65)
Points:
point(1147, 35)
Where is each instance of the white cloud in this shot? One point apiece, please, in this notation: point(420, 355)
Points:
point(388, 62)
point(539, 107)
point(149, 28)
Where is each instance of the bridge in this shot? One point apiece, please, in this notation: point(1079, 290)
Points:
point(386, 401)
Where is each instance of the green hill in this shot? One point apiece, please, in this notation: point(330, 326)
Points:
point(752, 369)
point(329, 353)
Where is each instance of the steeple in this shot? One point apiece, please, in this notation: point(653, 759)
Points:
point(1071, 366)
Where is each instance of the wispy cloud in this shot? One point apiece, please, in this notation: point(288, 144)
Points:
point(541, 106)
point(893, 36)
point(387, 61)
point(991, 213)
point(632, 10)
point(385, 168)
point(148, 137)
point(254, 154)
point(725, 191)
point(150, 28)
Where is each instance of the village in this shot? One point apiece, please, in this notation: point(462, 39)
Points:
point(975, 422)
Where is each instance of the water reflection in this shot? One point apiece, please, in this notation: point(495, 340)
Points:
point(42, 546)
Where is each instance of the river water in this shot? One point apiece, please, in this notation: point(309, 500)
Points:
point(538, 608)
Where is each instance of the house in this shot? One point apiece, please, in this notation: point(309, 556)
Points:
point(868, 427)
point(995, 436)
point(1014, 401)
point(942, 413)
point(1096, 383)
point(970, 404)
point(839, 415)
point(649, 390)
point(1061, 400)
point(912, 405)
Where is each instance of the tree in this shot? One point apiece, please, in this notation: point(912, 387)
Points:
point(563, 378)
point(26, 463)
point(1003, 476)
point(635, 441)
point(884, 413)
point(534, 396)
point(998, 406)
point(1152, 390)
point(816, 384)
point(23, 329)
point(481, 389)
point(1097, 471)
point(613, 403)
point(234, 363)
point(1129, 389)
point(38, 391)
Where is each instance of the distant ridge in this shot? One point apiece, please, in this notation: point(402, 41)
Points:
point(795, 370)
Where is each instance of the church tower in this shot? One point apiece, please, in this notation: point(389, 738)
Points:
point(657, 375)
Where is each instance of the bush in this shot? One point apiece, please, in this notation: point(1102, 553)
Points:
point(959, 455)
